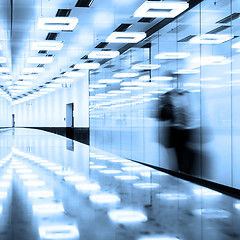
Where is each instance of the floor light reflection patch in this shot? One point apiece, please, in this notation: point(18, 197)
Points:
point(212, 213)
point(104, 198)
point(41, 194)
point(75, 178)
point(110, 171)
point(158, 237)
point(87, 187)
point(58, 232)
point(53, 208)
point(127, 216)
point(34, 183)
point(146, 185)
point(97, 167)
point(28, 176)
point(206, 193)
point(126, 177)
point(172, 196)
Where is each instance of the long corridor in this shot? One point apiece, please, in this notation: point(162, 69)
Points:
point(55, 188)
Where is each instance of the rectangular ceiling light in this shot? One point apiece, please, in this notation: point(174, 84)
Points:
point(109, 81)
point(172, 55)
point(6, 77)
point(34, 70)
point(236, 45)
point(4, 69)
point(23, 83)
point(162, 9)
point(126, 37)
point(146, 66)
point(73, 74)
point(41, 60)
point(47, 45)
point(58, 23)
point(63, 80)
point(103, 54)
point(211, 38)
point(87, 66)
point(122, 75)
point(27, 77)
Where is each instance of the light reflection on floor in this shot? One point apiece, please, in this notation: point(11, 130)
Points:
point(63, 196)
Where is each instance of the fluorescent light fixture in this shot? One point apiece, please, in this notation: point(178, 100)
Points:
point(55, 168)
point(104, 198)
point(54, 85)
point(134, 169)
point(118, 91)
point(187, 71)
point(47, 45)
point(237, 206)
point(50, 208)
point(47, 164)
point(34, 70)
point(103, 54)
point(110, 171)
point(119, 160)
point(211, 38)
point(146, 185)
point(213, 60)
point(162, 78)
point(146, 66)
point(28, 77)
point(23, 83)
point(109, 81)
point(28, 176)
point(63, 80)
point(152, 173)
point(87, 66)
point(24, 171)
point(126, 177)
point(6, 77)
point(126, 37)
point(41, 194)
point(125, 75)
point(127, 216)
point(74, 74)
point(4, 69)
point(98, 166)
point(64, 173)
point(38, 183)
point(58, 23)
point(87, 187)
point(172, 55)
point(40, 60)
point(58, 232)
point(172, 196)
point(75, 178)
point(210, 79)
point(165, 9)
point(3, 60)
point(158, 237)
point(97, 85)
point(132, 88)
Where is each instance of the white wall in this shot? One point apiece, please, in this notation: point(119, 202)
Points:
point(50, 110)
point(6, 113)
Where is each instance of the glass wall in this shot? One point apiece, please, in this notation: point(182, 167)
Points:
point(174, 103)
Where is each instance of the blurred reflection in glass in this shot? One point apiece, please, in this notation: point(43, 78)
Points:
point(181, 130)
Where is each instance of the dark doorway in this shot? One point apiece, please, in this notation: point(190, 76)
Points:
point(70, 120)
point(13, 120)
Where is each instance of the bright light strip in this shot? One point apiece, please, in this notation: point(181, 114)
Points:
point(4, 69)
point(23, 83)
point(172, 55)
point(74, 74)
point(24, 171)
point(119, 91)
point(58, 232)
point(3, 195)
point(237, 206)
point(4, 184)
point(119, 160)
point(157, 237)
point(34, 70)
point(75, 178)
point(109, 81)
point(28, 176)
point(206, 193)
point(104, 198)
point(98, 167)
point(1, 207)
point(151, 173)
point(7, 77)
point(126, 177)
point(47, 45)
point(211, 38)
point(146, 185)
point(168, 9)
point(125, 75)
point(162, 78)
point(47, 164)
point(133, 169)
point(7, 176)
point(212, 213)
point(41, 194)
point(54, 85)
point(127, 216)
point(34, 183)
point(173, 196)
point(132, 88)
point(3, 60)
point(64, 173)
point(52, 208)
point(103, 54)
point(63, 80)
point(97, 85)
point(58, 23)
point(146, 66)
point(126, 37)
point(187, 71)
point(87, 187)
point(86, 66)
point(110, 171)
point(28, 77)
point(40, 60)
point(214, 60)
point(55, 168)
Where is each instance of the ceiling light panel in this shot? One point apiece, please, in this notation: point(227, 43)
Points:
point(126, 37)
point(103, 54)
point(4, 69)
point(26, 77)
point(3, 60)
point(172, 55)
point(146, 66)
point(162, 9)
point(211, 38)
point(34, 70)
point(87, 66)
point(47, 45)
point(73, 74)
point(41, 60)
point(123, 75)
point(58, 23)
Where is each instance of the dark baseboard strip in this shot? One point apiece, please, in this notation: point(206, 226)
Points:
point(78, 134)
point(230, 191)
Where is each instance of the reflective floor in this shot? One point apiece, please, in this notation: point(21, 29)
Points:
point(55, 188)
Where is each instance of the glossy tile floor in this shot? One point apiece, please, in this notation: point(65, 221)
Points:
point(55, 188)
